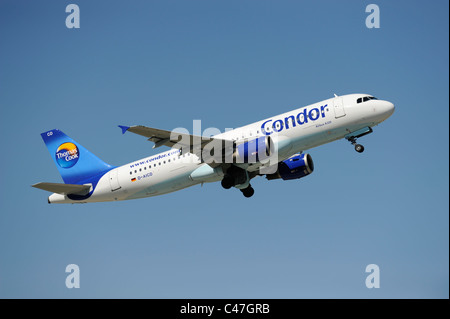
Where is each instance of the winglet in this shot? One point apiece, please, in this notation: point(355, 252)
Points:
point(124, 128)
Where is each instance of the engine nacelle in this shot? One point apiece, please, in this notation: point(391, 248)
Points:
point(297, 166)
point(254, 151)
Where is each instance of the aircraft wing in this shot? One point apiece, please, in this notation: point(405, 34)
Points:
point(64, 189)
point(194, 143)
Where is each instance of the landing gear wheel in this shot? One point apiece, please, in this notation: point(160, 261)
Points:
point(359, 148)
point(227, 182)
point(357, 134)
point(248, 192)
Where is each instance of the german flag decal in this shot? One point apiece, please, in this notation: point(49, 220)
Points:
point(133, 179)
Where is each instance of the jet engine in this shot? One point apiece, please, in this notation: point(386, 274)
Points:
point(297, 166)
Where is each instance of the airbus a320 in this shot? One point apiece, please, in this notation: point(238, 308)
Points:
point(273, 147)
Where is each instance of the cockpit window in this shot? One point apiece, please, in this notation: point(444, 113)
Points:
point(365, 99)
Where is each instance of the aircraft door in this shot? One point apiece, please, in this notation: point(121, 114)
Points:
point(114, 179)
point(339, 110)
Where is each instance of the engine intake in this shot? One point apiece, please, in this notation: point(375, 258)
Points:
point(295, 167)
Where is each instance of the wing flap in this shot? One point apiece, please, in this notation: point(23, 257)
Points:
point(64, 189)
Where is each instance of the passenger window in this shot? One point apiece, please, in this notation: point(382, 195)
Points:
point(131, 173)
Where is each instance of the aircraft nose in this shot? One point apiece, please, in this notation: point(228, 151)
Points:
point(390, 108)
point(385, 109)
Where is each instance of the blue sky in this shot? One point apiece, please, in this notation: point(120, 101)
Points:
point(228, 63)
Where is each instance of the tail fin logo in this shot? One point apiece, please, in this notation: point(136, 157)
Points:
point(67, 155)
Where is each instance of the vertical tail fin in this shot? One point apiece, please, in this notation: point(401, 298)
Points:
point(75, 163)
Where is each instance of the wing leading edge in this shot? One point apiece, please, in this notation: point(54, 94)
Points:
point(194, 143)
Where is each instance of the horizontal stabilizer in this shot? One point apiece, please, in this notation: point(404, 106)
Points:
point(64, 189)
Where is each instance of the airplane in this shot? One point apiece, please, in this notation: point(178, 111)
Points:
point(273, 147)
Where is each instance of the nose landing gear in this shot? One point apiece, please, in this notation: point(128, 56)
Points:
point(357, 134)
point(358, 147)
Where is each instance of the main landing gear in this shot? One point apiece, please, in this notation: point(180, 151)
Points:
point(228, 182)
point(248, 192)
point(238, 178)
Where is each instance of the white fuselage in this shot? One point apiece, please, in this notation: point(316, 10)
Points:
point(166, 172)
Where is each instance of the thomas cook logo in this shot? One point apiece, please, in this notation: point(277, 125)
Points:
point(67, 155)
